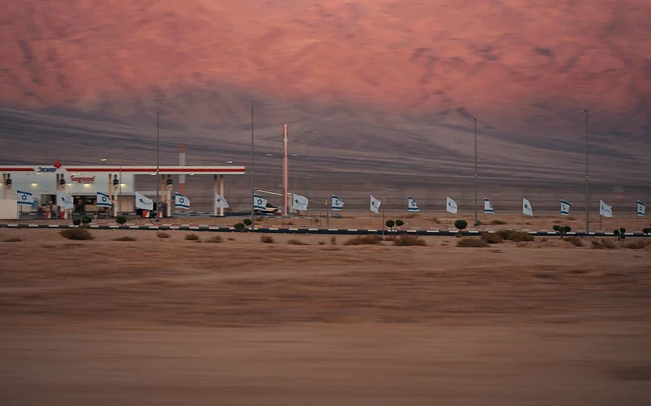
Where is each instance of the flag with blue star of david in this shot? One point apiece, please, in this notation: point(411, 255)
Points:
point(103, 200)
point(640, 208)
point(259, 202)
point(488, 206)
point(412, 206)
point(24, 197)
point(565, 208)
point(337, 203)
point(527, 210)
point(143, 202)
point(181, 201)
point(220, 202)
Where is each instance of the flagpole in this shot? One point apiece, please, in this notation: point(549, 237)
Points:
point(252, 171)
point(587, 177)
point(157, 164)
point(476, 220)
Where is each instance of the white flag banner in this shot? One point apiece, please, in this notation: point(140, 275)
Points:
point(375, 205)
point(565, 208)
point(299, 202)
point(64, 200)
point(259, 202)
point(640, 208)
point(337, 203)
point(103, 200)
point(413, 206)
point(451, 206)
point(604, 209)
point(527, 210)
point(488, 206)
point(220, 202)
point(181, 201)
point(24, 197)
point(143, 202)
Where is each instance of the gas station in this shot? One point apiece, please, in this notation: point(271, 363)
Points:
point(83, 182)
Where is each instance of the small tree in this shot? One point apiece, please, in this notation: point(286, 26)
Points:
point(567, 229)
point(622, 233)
point(647, 230)
point(247, 222)
point(76, 222)
point(399, 223)
point(616, 232)
point(558, 229)
point(85, 221)
point(390, 224)
point(460, 225)
point(239, 226)
point(120, 220)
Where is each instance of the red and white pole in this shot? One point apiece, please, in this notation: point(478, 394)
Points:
point(285, 172)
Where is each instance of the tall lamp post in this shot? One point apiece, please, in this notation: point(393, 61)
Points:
point(157, 164)
point(476, 220)
point(252, 170)
point(587, 178)
point(309, 164)
point(119, 202)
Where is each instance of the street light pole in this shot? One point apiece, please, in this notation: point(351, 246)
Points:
point(157, 164)
point(309, 163)
point(587, 178)
point(476, 220)
point(120, 189)
point(252, 170)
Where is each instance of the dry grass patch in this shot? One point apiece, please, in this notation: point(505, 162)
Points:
point(409, 240)
point(266, 239)
point(492, 238)
point(216, 239)
point(603, 244)
point(472, 242)
point(162, 234)
point(192, 237)
point(638, 244)
point(13, 239)
point(295, 241)
point(76, 234)
point(364, 240)
point(576, 241)
point(125, 238)
point(498, 222)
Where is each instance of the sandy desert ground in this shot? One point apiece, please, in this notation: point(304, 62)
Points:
point(176, 322)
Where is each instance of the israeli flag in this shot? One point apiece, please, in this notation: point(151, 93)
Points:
point(181, 201)
point(220, 202)
point(24, 197)
point(375, 205)
point(527, 210)
point(640, 208)
point(565, 208)
point(451, 206)
point(299, 202)
point(488, 206)
point(413, 206)
point(604, 209)
point(143, 202)
point(103, 200)
point(337, 203)
point(64, 200)
point(259, 202)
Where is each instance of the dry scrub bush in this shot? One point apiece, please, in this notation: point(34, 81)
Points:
point(576, 241)
point(603, 244)
point(162, 234)
point(333, 240)
point(294, 241)
point(215, 239)
point(637, 245)
point(515, 236)
point(125, 238)
point(76, 234)
point(498, 222)
point(409, 240)
point(472, 242)
point(492, 238)
point(266, 239)
point(192, 237)
point(13, 239)
point(364, 240)
point(321, 242)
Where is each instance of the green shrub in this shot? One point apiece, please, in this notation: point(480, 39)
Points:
point(364, 240)
point(239, 226)
point(76, 221)
point(125, 238)
point(294, 241)
point(492, 238)
point(647, 230)
point(472, 242)
point(192, 237)
point(399, 223)
point(409, 240)
point(567, 229)
point(247, 222)
point(120, 220)
point(460, 225)
point(390, 224)
point(266, 239)
point(216, 239)
point(86, 220)
point(76, 234)
point(162, 234)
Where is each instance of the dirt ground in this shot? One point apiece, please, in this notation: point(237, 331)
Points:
point(168, 321)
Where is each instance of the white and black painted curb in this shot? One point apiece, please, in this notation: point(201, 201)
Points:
point(299, 230)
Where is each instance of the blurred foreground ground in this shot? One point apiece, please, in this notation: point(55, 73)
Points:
point(175, 322)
